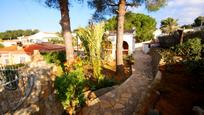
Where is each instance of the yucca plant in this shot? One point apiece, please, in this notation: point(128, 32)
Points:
point(91, 38)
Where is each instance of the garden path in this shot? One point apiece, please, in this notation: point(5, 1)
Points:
point(124, 99)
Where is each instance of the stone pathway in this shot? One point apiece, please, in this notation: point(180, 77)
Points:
point(124, 99)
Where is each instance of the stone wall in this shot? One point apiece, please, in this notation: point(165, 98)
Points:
point(156, 58)
point(42, 99)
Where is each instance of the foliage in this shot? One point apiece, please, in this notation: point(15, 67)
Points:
point(1, 45)
point(101, 84)
point(111, 24)
point(168, 41)
point(188, 26)
point(106, 49)
point(91, 38)
point(70, 87)
point(144, 24)
point(199, 21)
point(57, 58)
point(108, 7)
point(191, 49)
point(167, 55)
point(195, 66)
point(13, 34)
point(14, 66)
point(56, 41)
point(169, 25)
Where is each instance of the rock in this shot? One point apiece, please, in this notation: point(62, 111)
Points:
point(42, 100)
point(198, 110)
point(103, 91)
point(118, 106)
point(153, 112)
point(93, 102)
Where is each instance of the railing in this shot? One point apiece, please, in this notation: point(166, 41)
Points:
point(15, 86)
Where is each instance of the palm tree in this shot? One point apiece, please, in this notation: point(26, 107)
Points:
point(169, 25)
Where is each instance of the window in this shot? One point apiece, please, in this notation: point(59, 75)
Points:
point(6, 61)
point(22, 59)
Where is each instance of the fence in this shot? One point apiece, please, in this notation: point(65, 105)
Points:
point(15, 86)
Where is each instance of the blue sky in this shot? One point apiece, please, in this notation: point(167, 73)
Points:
point(30, 14)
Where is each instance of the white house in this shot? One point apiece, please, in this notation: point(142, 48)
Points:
point(128, 43)
point(39, 37)
point(8, 43)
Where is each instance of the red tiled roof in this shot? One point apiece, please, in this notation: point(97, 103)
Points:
point(29, 49)
point(43, 47)
point(13, 49)
point(10, 48)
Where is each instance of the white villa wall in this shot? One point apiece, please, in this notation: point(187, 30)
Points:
point(14, 58)
point(38, 37)
point(129, 38)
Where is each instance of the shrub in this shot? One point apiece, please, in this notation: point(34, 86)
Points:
point(191, 49)
point(101, 84)
point(91, 38)
point(57, 58)
point(70, 87)
point(167, 55)
point(195, 67)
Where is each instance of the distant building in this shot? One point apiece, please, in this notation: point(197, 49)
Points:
point(8, 43)
point(39, 37)
point(17, 54)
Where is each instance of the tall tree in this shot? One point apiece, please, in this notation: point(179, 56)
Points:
point(169, 25)
point(63, 5)
point(107, 7)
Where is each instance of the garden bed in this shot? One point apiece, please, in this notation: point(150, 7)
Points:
point(177, 93)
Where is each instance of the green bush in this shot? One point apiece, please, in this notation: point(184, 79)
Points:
point(167, 55)
point(190, 50)
point(70, 87)
point(195, 67)
point(57, 58)
point(101, 84)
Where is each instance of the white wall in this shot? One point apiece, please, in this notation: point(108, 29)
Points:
point(129, 38)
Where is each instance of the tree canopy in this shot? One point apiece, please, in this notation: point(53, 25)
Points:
point(13, 34)
point(199, 21)
point(169, 25)
point(144, 25)
point(108, 7)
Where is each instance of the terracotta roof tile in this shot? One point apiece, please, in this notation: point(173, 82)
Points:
point(29, 49)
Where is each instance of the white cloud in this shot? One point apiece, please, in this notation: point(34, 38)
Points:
point(183, 10)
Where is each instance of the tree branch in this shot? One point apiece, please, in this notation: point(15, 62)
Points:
point(111, 3)
point(133, 4)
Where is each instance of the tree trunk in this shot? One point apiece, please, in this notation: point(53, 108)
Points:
point(66, 29)
point(119, 41)
point(181, 34)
